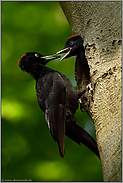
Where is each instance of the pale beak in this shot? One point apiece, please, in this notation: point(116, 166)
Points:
point(47, 58)
point(65, 50)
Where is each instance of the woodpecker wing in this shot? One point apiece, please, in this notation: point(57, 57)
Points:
point(52, 100)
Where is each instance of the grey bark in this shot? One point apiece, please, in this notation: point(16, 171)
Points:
point(100, 24)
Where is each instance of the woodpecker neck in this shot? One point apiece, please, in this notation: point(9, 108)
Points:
point(81, 55)
point(38, 70)
point(82, 71)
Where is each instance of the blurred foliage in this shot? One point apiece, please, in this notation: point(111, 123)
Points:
point(28, 150)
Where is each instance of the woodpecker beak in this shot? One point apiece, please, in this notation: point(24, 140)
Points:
point(48, 58)
point(65, 50)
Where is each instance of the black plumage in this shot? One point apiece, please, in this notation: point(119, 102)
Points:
point(58, 100)
point(74, 47)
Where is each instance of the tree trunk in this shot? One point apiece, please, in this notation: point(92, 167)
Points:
point(100, 24)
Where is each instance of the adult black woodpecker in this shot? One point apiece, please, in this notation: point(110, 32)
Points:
point(58, 100)
point(74, 47)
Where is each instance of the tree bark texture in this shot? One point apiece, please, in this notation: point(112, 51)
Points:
point(100, 24)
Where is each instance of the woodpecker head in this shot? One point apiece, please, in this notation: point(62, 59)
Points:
point(31, 59)
point(72, 46)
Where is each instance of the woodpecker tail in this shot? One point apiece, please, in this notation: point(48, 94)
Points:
point(75, 132)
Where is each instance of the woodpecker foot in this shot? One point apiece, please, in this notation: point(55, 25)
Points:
point(86, 99)
point(80, 100)
point(89, 88)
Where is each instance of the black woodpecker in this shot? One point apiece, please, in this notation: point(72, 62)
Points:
point(74, 47)
point(58, 100)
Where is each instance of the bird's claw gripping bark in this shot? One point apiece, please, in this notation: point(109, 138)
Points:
point(85, 98)
point(89, 88)
point(80, 100)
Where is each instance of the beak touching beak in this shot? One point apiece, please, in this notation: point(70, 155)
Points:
point(48, 58)
point(65, 50)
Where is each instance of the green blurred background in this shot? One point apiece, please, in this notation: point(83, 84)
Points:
point(28, 150)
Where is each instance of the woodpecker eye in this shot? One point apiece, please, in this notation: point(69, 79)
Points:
point(71, 43)
point(36, 55)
